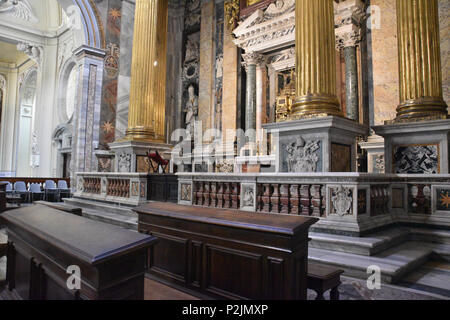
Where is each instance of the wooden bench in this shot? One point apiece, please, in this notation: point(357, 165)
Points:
point(322, 278)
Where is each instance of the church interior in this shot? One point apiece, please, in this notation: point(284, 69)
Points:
point(224, 149)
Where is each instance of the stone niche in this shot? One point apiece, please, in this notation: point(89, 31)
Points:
point(325, 144)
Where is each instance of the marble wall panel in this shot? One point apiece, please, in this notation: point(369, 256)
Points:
point(206, 83)
point(126, 50)
point(111, 73)
point(444, 25)
point(230, 84)
point(385, 63)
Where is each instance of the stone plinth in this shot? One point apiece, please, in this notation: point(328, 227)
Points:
point(416, 147)
point(375, 153)
point(130, 155)
point(325, 144)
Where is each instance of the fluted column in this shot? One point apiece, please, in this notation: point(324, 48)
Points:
point(315, 60)
point(146, 117)
point(419, 61)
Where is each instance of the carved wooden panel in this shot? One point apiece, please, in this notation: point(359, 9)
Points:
point(169, 257)
point(234, 280)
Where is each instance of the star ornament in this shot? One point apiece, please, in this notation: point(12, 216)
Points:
point(115, 13)
point(445, 200)
point(108, 127)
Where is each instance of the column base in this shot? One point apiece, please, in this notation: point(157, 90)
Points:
point(416, 147)
point(130, 155)
point(315, 107)
point(326, 144)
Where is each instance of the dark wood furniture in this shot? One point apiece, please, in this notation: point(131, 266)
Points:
point(163, 187)
point(15, 199)
point(43, 242)
point(3, 247)
point(2, 196)
point(228, 254)
point(322, 278)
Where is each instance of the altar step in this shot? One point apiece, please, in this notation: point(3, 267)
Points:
point(437, 240)
point(114, 214)
point(394, 263)
point(434, 277)
point(368, 245)
point(100, 206)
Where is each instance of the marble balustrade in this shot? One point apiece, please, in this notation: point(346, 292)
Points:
point(121, 188)
point(348, 203)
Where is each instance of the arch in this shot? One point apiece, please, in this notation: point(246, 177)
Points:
point(90, 20)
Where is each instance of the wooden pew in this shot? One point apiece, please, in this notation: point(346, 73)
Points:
point(228, 254)
point(45, 243)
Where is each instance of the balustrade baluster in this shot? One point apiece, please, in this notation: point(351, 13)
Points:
point(305, 200)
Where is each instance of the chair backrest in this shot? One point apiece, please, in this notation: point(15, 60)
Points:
point(20, 186)
point(62, 184)
point(35, 187)
point(50, 184)
point(8, 186)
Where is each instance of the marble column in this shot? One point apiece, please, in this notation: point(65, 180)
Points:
point(349, 16)
point(260, 102)
point(315, 60)
point(351, 83)
point(421, 96)
point(251, 59)
point(146, 119)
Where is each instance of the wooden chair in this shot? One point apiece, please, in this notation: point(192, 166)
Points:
point(160, 162)
point(322, 278)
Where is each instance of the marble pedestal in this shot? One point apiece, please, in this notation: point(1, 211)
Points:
point(375, 153)
point(325, 144)
point(416, 147)
point(130, 156)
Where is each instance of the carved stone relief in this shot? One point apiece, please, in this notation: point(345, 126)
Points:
point(20, 9)
point(341, 200)
point(248, 196)
point(124, 162)
point(302, 155)
point(416, 159)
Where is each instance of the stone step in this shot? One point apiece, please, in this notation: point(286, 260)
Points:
point(394, 263)
point(100, 206)
point(432, 277)
point(430, 235)
point(367, 246)
point(121, 220)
